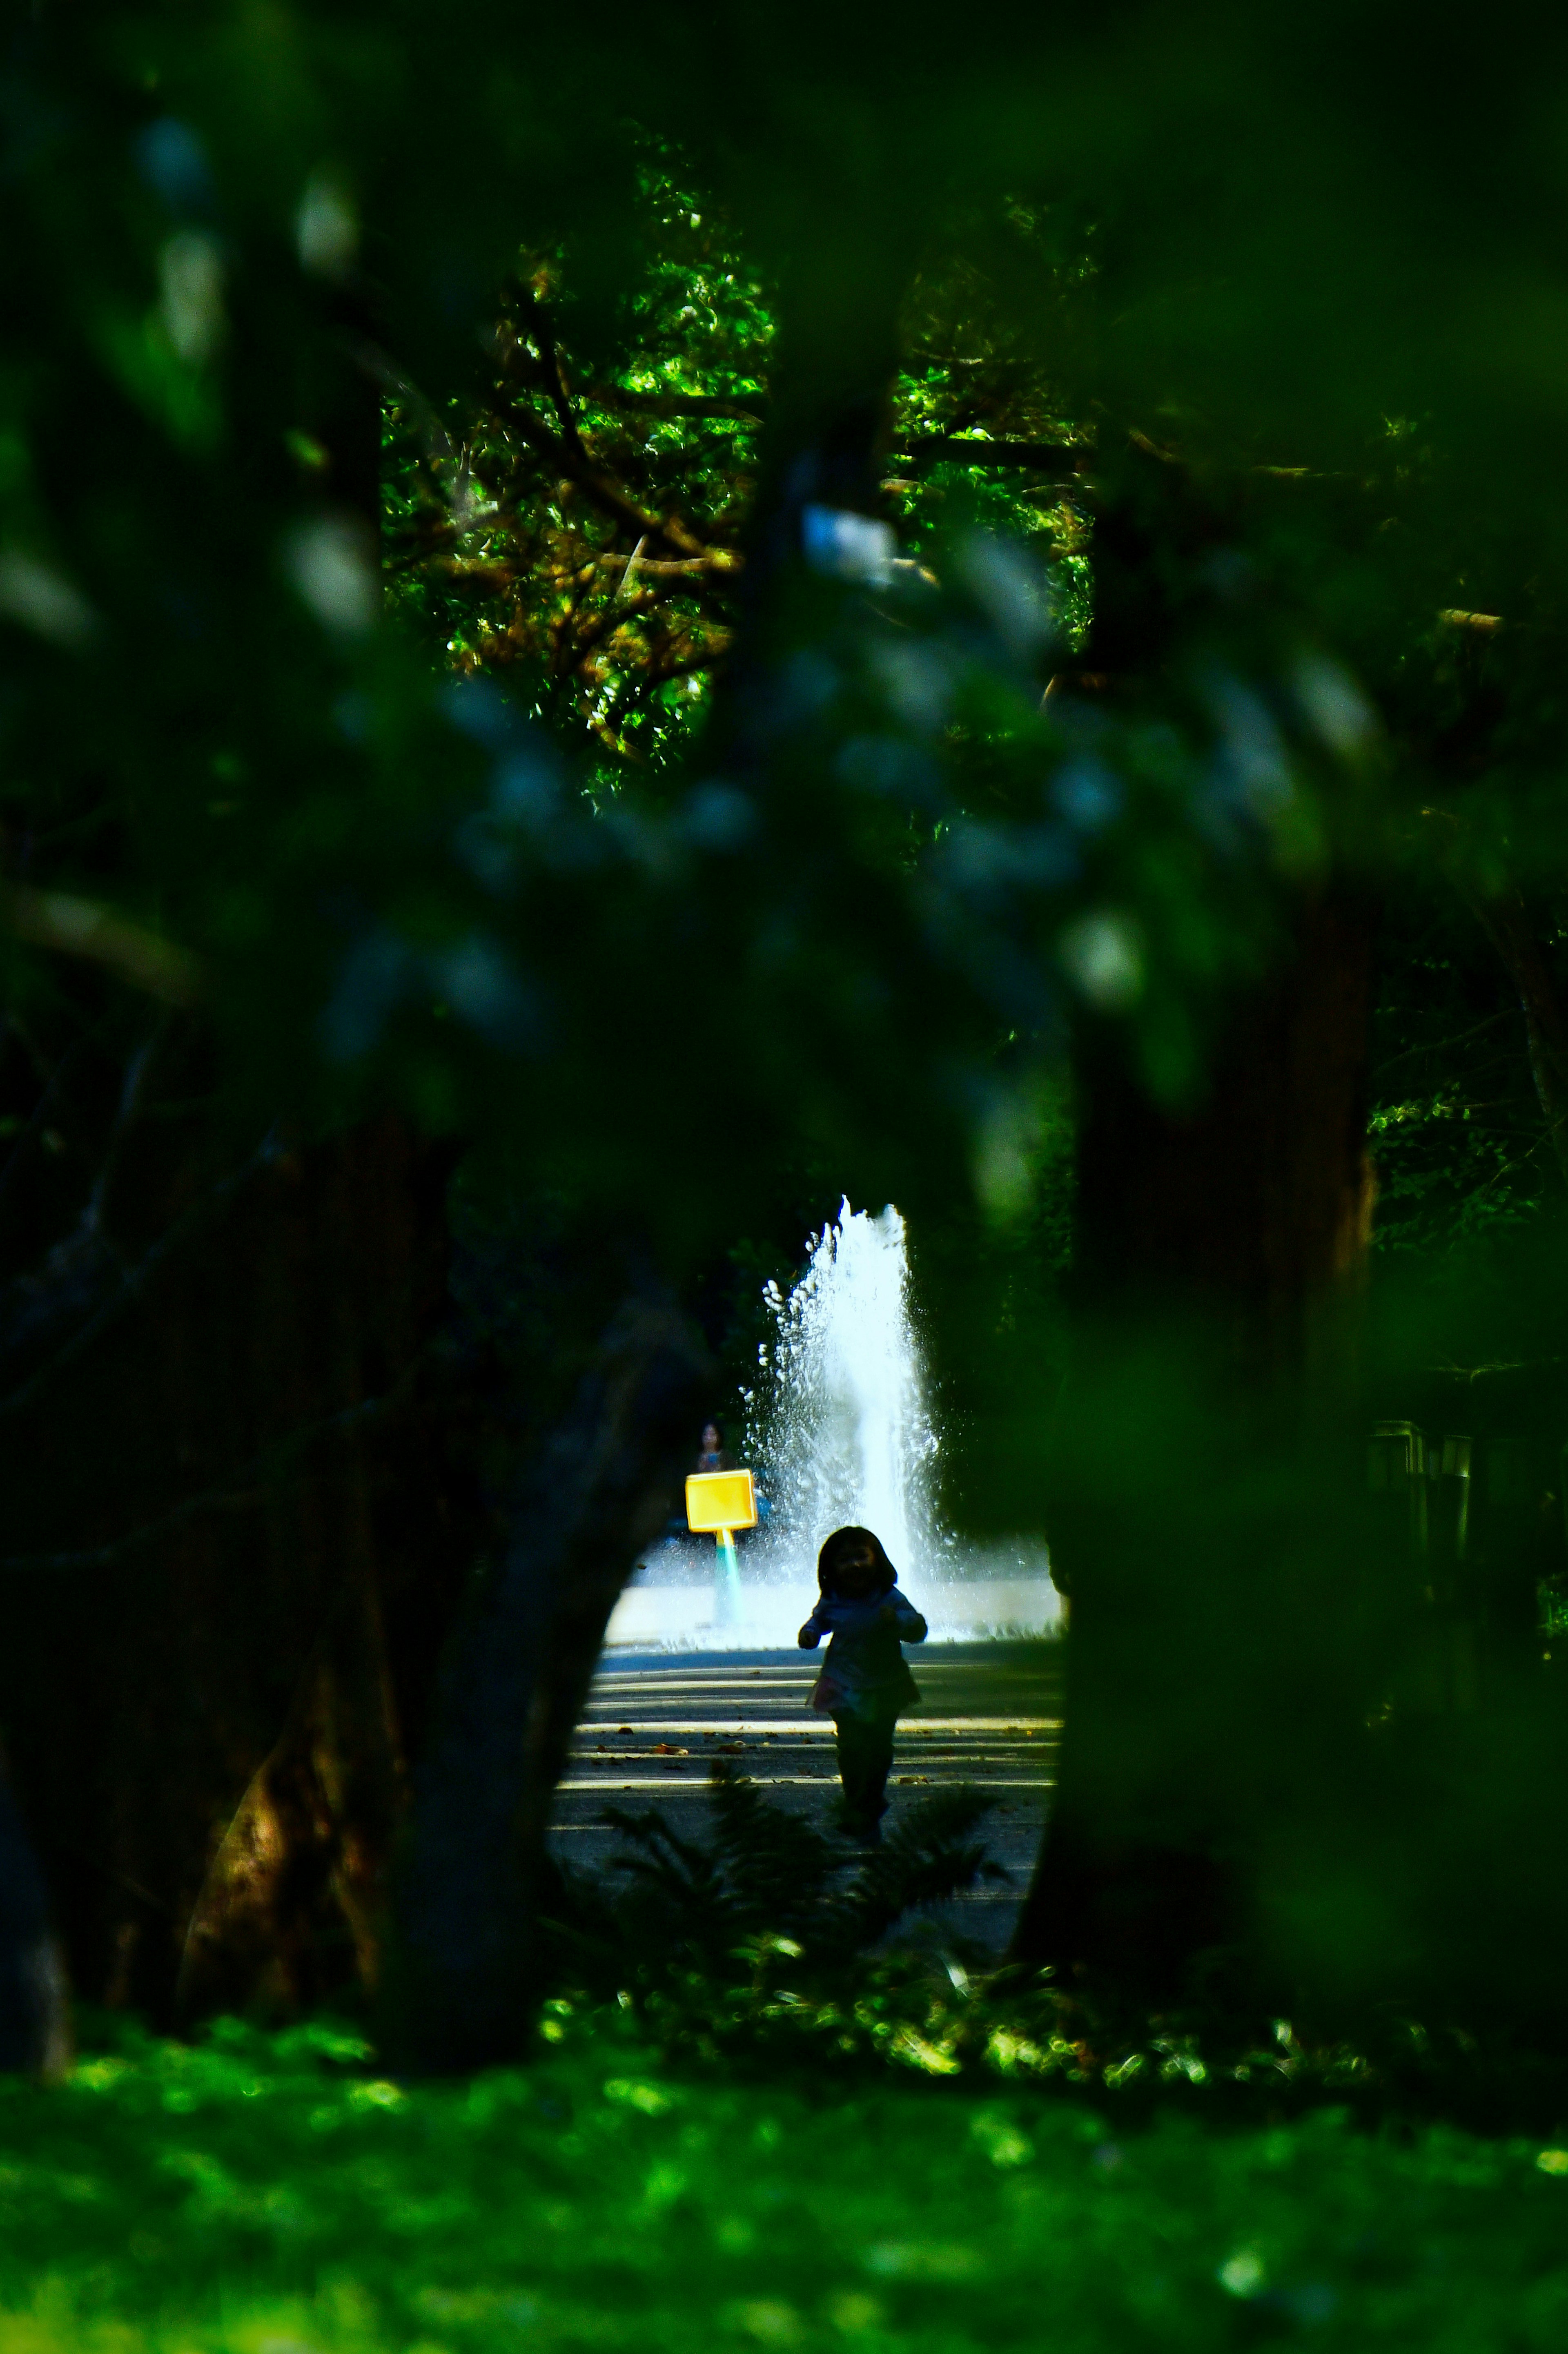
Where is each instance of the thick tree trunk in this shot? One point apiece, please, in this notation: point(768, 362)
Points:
point(469, 1949)
point(1207, 1437)
point(232, 1509)
point(294, 1899)
point(35, 2016)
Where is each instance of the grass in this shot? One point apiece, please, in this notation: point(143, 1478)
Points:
point(268, 2194)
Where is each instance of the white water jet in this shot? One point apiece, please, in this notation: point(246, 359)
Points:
point(839, 1430)
point(842, 1423)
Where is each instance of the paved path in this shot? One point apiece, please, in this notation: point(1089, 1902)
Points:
point(989, 1715)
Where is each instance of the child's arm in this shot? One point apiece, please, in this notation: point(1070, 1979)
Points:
point(902, 1613)
point(811, 1634)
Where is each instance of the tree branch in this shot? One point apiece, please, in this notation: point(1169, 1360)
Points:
point(750, 411)
point(972, 452)
point(260, 1476)
point(551, 370)
point(576, 467)
point(57, 919)
point(133, 1280)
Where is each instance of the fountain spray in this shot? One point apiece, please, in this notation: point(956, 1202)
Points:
point(844, 1426)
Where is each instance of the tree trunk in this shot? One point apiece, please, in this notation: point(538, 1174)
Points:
point(469, 1948)
point(34, 2019)
point(232, 1508)
point(293, 1902)
point(1199, 1475)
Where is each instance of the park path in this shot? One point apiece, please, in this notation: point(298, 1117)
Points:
point(989, 1715)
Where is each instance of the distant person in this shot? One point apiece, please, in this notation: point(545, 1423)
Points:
point(864, 1682)
point(716, 1457)
point(713, 1456)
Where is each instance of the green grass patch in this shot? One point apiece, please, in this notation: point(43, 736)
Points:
point(268, 2194)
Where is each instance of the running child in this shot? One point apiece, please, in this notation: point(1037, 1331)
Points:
point(864, 1682)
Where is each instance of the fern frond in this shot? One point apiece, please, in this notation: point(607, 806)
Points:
point(776, 1866)
point(768, 1877)
point(929, 1857)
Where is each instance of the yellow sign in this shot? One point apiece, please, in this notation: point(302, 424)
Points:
point(720, 1499)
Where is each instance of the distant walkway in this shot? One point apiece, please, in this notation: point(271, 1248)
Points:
point(989, 1715)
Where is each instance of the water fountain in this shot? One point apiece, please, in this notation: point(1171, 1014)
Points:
point(839, 1429)
point(840, 1417)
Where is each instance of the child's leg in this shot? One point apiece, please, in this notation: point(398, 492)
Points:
point(880, 1763)
point(851, 1733)
point(866, 1759)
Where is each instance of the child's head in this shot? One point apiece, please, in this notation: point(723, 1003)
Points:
point(852, 1565)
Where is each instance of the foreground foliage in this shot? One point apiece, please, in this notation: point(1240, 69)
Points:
point(255, 2193)
point(766, 1880)
point(768, 1948)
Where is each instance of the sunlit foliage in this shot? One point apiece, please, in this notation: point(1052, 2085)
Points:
point(581, 530)
point(256, 2192)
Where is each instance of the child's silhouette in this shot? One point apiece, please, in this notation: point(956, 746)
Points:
point(864, 1682)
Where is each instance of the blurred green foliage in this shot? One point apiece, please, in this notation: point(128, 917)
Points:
point(305, 226)
point(1460, 1139)
point(254, 2192)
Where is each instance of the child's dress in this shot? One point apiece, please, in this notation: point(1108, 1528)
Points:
point(864, 1684)
point(865, 1672)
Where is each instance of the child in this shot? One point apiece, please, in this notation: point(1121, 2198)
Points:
point(864, 1682)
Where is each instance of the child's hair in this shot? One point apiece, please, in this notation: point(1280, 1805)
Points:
point(842, 1547)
